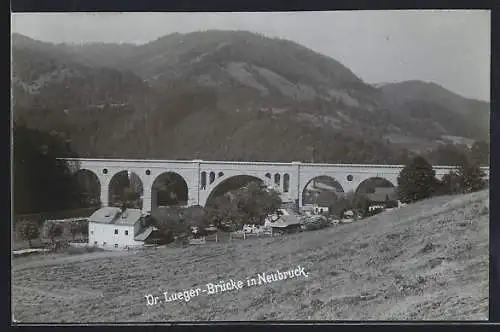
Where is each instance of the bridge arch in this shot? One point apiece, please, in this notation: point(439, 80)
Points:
point(320, 190)
point(126, 186)
point(169, 188)
point(89, 185)
point(378, 189)
point(231, 183)
point(368, 186)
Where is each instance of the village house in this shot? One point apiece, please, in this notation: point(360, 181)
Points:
point(318, 209)
point(383, 196)
point(113, 227)
point(287, 222)
point(314, 209)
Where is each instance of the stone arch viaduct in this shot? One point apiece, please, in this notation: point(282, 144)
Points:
point(202, 177)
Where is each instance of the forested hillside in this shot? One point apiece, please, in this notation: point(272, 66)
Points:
point(230, 96)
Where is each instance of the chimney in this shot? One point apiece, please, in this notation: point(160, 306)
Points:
point(124, 207)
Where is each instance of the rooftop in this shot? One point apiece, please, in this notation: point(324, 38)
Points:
point(381, 194)
point(114, 215)
point(285, 220)
point(144, 234)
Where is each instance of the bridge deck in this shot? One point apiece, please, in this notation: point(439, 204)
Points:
point(263, 163)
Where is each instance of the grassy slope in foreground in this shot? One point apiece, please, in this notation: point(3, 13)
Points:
point(425, 261)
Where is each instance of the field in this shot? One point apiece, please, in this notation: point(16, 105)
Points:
point(426, 261)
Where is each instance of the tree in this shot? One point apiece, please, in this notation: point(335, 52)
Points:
point(42, 182)
point(74, 230)
point(224, 214)
point(416, 181)
point(340, 207)
point(480, 153)
point(78, 228)
point(471, 177)
point(449, 185)
point(263, 201)
point(28, 231)
point(250, 204)
point(350, 201)
point(55, 230)
point(178, 222)
point(171, 188)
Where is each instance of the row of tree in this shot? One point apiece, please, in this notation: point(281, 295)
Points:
point(418, 180)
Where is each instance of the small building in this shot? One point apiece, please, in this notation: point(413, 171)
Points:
point(349, 214)
point(372, 208)
point(318, 209)
point(383, 195)
point(287, 222)
point(113, 227)
point(314, 209)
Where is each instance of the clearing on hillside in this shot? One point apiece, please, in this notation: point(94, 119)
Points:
point(425, 261)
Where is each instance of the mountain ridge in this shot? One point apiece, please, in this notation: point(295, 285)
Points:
point(241, 86)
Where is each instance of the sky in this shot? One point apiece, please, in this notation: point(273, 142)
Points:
point(450, 48)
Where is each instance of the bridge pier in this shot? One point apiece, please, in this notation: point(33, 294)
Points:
point(147, 201)
point(104, 192)
point(297, 190)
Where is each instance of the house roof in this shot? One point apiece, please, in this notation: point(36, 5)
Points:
point(144, 234)
point(387, 190)
point(380, 194)
point(285, 221)
point(114, 215)
point(326, 198)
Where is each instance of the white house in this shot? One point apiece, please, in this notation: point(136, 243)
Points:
point(112, 227)
point(318, 209)
point(375, 207)
point(314, 209)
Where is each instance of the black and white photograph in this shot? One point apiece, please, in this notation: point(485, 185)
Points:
point(250, 166)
